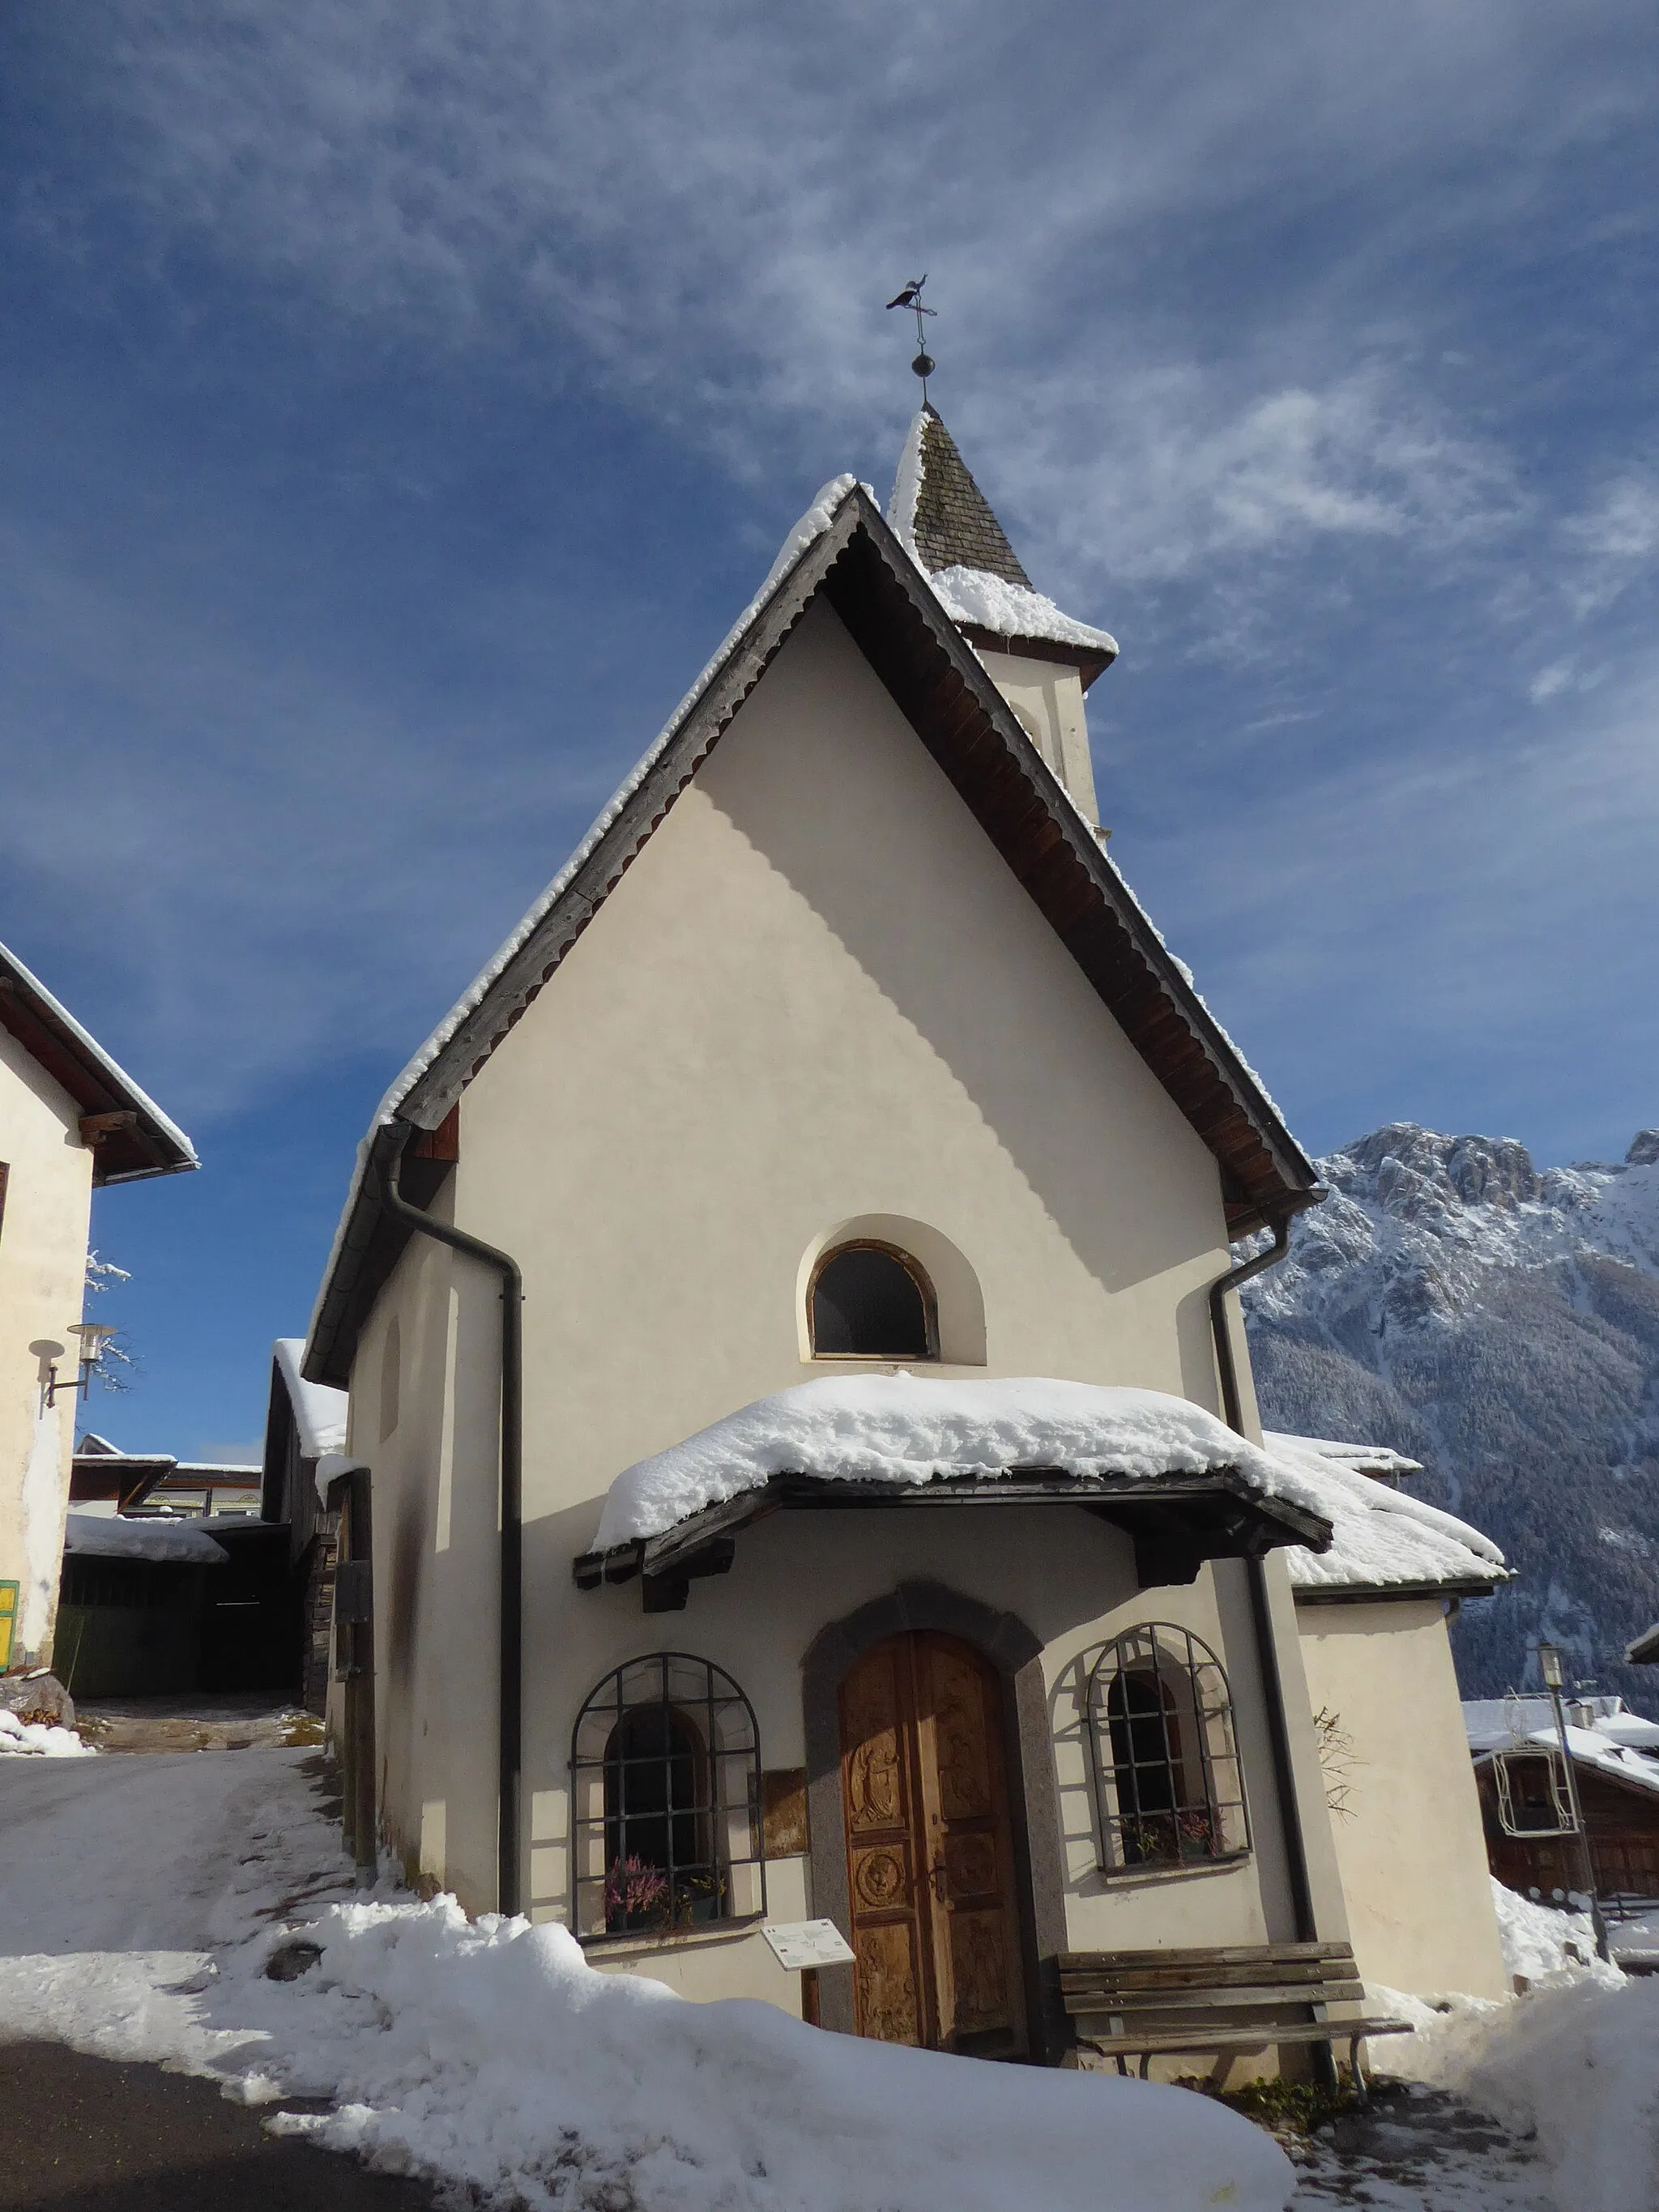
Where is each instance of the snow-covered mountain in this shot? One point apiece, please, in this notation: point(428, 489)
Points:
point(1501, 1324)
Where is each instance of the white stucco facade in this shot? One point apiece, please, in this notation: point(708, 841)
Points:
point(818, 999)
point(1408, 1839)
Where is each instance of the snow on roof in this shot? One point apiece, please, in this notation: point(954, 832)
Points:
point(100, 1536)
point(1600, 1734)
point(1000, 598)
point(970, 595)
point(1364, 1459)
point(115, 1074)
point(1381, 1539)
point(319, 1411)
point(905, 1428)
point(1491, 1723)
point(811, 526)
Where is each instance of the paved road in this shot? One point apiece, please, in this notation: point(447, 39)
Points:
point(85, 2134)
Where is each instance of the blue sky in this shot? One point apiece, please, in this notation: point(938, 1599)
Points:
point(399, 399)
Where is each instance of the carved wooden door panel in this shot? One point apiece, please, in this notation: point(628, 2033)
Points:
point(929, 1856)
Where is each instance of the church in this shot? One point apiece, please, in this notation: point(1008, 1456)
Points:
point(802, 1462)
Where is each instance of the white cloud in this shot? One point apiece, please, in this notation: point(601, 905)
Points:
point(1425, 903)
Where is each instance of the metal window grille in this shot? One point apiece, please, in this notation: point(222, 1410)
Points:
point(1533, 1799)
point(664, 1770)
point(1169, 1790)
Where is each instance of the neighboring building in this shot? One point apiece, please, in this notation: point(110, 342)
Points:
point(304, 1425)
point(1373, 1612)
point(1644, 1651)
point(70, 1121)
point(103, 1479)
point(1524, 1800)
point(837, 1089)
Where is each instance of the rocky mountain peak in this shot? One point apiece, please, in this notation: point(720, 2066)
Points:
point(1500, 1322)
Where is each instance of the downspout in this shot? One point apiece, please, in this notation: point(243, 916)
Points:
point(1273, 1686)
point(510, 1662)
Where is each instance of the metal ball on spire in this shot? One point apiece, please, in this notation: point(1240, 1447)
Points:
point(924, 364)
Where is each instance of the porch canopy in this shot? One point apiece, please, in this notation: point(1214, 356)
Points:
point(1184, 1487)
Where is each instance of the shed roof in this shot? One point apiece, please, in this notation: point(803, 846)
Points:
point(130, 1135)
point(843, 551)
point(1383, 1543)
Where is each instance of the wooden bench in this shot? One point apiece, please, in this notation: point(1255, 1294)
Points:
point(1242, 1997)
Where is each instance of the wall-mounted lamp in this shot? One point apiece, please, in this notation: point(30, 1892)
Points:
point(94, 1336)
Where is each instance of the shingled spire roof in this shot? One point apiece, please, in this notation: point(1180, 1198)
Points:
point(942, 517)
point(952, 526)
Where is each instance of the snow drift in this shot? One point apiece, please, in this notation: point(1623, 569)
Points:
point(905, 1430)
point(502, 2060)
point(493, 2058)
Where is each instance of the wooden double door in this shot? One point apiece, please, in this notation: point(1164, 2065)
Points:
point(930, 1870)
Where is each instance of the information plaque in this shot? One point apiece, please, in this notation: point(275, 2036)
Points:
point(808, 1943)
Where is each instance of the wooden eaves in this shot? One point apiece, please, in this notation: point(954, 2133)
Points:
point(127, 1134)
point(1373, 1593)
point(943, 690)
point(1176, 1522)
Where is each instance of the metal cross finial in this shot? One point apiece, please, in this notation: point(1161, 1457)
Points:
point(911, 297)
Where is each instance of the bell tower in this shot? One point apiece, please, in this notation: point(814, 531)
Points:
point(1041, 659)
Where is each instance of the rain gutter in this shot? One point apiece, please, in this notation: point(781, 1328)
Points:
point(510, 1661)
point(1273, 1686)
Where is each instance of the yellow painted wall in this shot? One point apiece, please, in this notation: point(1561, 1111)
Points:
point(43, 1257)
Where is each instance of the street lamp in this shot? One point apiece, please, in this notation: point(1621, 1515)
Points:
point(95, 1335)
point(1550, 1667)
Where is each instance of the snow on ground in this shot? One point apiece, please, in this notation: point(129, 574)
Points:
point(1573, 2064)
point(142, 1899)
point(42, 1740)
point(905, 1428)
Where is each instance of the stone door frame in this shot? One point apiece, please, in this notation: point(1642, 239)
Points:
point(1033, 1798)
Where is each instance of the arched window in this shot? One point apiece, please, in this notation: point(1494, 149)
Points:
point(664, 1767)
point(870, 1301)
point(1168, 1791)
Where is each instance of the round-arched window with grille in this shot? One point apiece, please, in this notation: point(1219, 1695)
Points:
point(1168, 1788)
point(666, 1798)
point(871, 1301)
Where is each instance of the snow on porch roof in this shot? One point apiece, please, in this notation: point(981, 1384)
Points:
point(1024, 1438)
point(1383, 1543)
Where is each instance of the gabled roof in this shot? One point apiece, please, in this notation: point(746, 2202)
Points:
point(843, 551)
point(130, 1135)
point(944, 522)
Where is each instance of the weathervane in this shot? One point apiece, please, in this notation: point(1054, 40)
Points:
point(911, 297)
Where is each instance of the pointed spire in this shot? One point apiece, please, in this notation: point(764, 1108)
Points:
point(950, 521)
